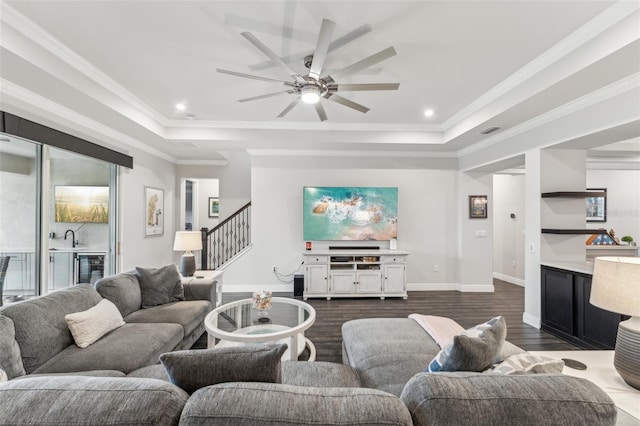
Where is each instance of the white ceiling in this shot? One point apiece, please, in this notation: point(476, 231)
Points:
point(125, 64)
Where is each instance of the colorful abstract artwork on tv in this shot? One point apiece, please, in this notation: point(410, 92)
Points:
point(350, 213)
point(87, 204)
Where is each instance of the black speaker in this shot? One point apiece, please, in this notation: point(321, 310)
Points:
point(298, 285)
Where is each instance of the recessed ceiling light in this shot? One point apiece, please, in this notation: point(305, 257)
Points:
point(429, 113)
point(181, 106)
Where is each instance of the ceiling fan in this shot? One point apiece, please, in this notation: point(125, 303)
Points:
point(313, 86)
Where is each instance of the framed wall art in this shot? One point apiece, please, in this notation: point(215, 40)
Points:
point(153, 212)
point(597, 206)
point(477, 206)
point(214, 207)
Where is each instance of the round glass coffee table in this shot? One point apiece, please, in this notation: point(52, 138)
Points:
point(239, 323)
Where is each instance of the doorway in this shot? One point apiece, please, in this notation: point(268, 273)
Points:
point(199, 204)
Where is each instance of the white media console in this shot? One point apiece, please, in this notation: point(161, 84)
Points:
point(355, 273)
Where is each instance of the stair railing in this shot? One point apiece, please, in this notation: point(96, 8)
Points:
point(227, 239)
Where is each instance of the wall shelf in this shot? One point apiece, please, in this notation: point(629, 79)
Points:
point(574, 194)
point(573, 231)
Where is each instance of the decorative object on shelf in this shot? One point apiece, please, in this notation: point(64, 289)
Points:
point(393, 244)
point(262, 302)
point(597, 206)
point(187, 241)
point(153, 210)
point(214, 207)
point(477, 207)
point(602, 238)
point(616, 288)
point(627, 239)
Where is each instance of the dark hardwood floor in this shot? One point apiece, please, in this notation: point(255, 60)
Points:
point(468, 309)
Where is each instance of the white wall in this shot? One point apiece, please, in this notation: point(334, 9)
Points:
point(475, 237)
point(623, 200)
point(508, 233)
point(135, 248)
point(427, 224)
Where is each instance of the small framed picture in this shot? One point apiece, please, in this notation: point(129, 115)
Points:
point(214, 207)
point(153, 212)
point(477, 206)
point(597, 206)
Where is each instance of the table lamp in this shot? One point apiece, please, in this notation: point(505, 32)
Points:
point(616, 288)
point(187, 241)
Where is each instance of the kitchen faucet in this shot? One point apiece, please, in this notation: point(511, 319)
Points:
point(73, 237)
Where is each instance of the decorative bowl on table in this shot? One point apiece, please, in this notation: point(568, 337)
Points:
point(262, 301)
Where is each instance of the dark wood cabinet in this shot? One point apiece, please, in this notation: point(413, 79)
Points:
point(567, 313)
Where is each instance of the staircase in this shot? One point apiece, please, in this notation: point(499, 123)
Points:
point(228, 239)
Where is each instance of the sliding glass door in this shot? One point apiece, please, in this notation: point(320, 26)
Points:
point(79, 219)
point(57, 218)
point(19, 214)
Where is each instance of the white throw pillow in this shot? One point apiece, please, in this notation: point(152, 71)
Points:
point(3, 376)
point(88, 326)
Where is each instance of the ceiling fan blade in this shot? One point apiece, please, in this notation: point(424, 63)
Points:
point(268, 95)
point(321, 113)
point(322, 47)
point(346, 102)
point(269, 53)
point(365, 63)
point(289, 107)
point(349, 37)
point(336, 44)
point(365, 86)
point(254, 77)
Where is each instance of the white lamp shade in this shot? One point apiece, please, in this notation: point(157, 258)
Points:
point(616, 285)
point(187, 241)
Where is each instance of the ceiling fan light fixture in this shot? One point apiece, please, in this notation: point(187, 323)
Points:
point(310, 94)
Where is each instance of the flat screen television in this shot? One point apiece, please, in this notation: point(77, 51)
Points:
point(86, 204)
point(350, 213)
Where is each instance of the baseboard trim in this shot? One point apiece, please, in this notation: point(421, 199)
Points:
point(509, 279)
point(432, 286)
point(248, 288)
point(533, 321)
point(477, 288)
point(470, 288)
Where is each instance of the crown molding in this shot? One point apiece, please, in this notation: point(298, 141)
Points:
point(202, 162)
point(27, 28)
point(597, 26)
point(351, 154)
point(625, 85)
point(284, 125)
point(13, 95)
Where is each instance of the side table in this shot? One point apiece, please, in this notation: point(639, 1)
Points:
point(600, 370)
point(207, 277)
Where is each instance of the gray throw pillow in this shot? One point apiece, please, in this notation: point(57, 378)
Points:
point(476, 349)
point(160, 285)
point(194, 369)
point(10, 357)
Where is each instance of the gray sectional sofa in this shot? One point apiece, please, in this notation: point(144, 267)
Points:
point(390, 354)
point(46, 345)
point(380, 382)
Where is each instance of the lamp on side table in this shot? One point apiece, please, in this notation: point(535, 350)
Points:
point(616, 287)
point(187, 241)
